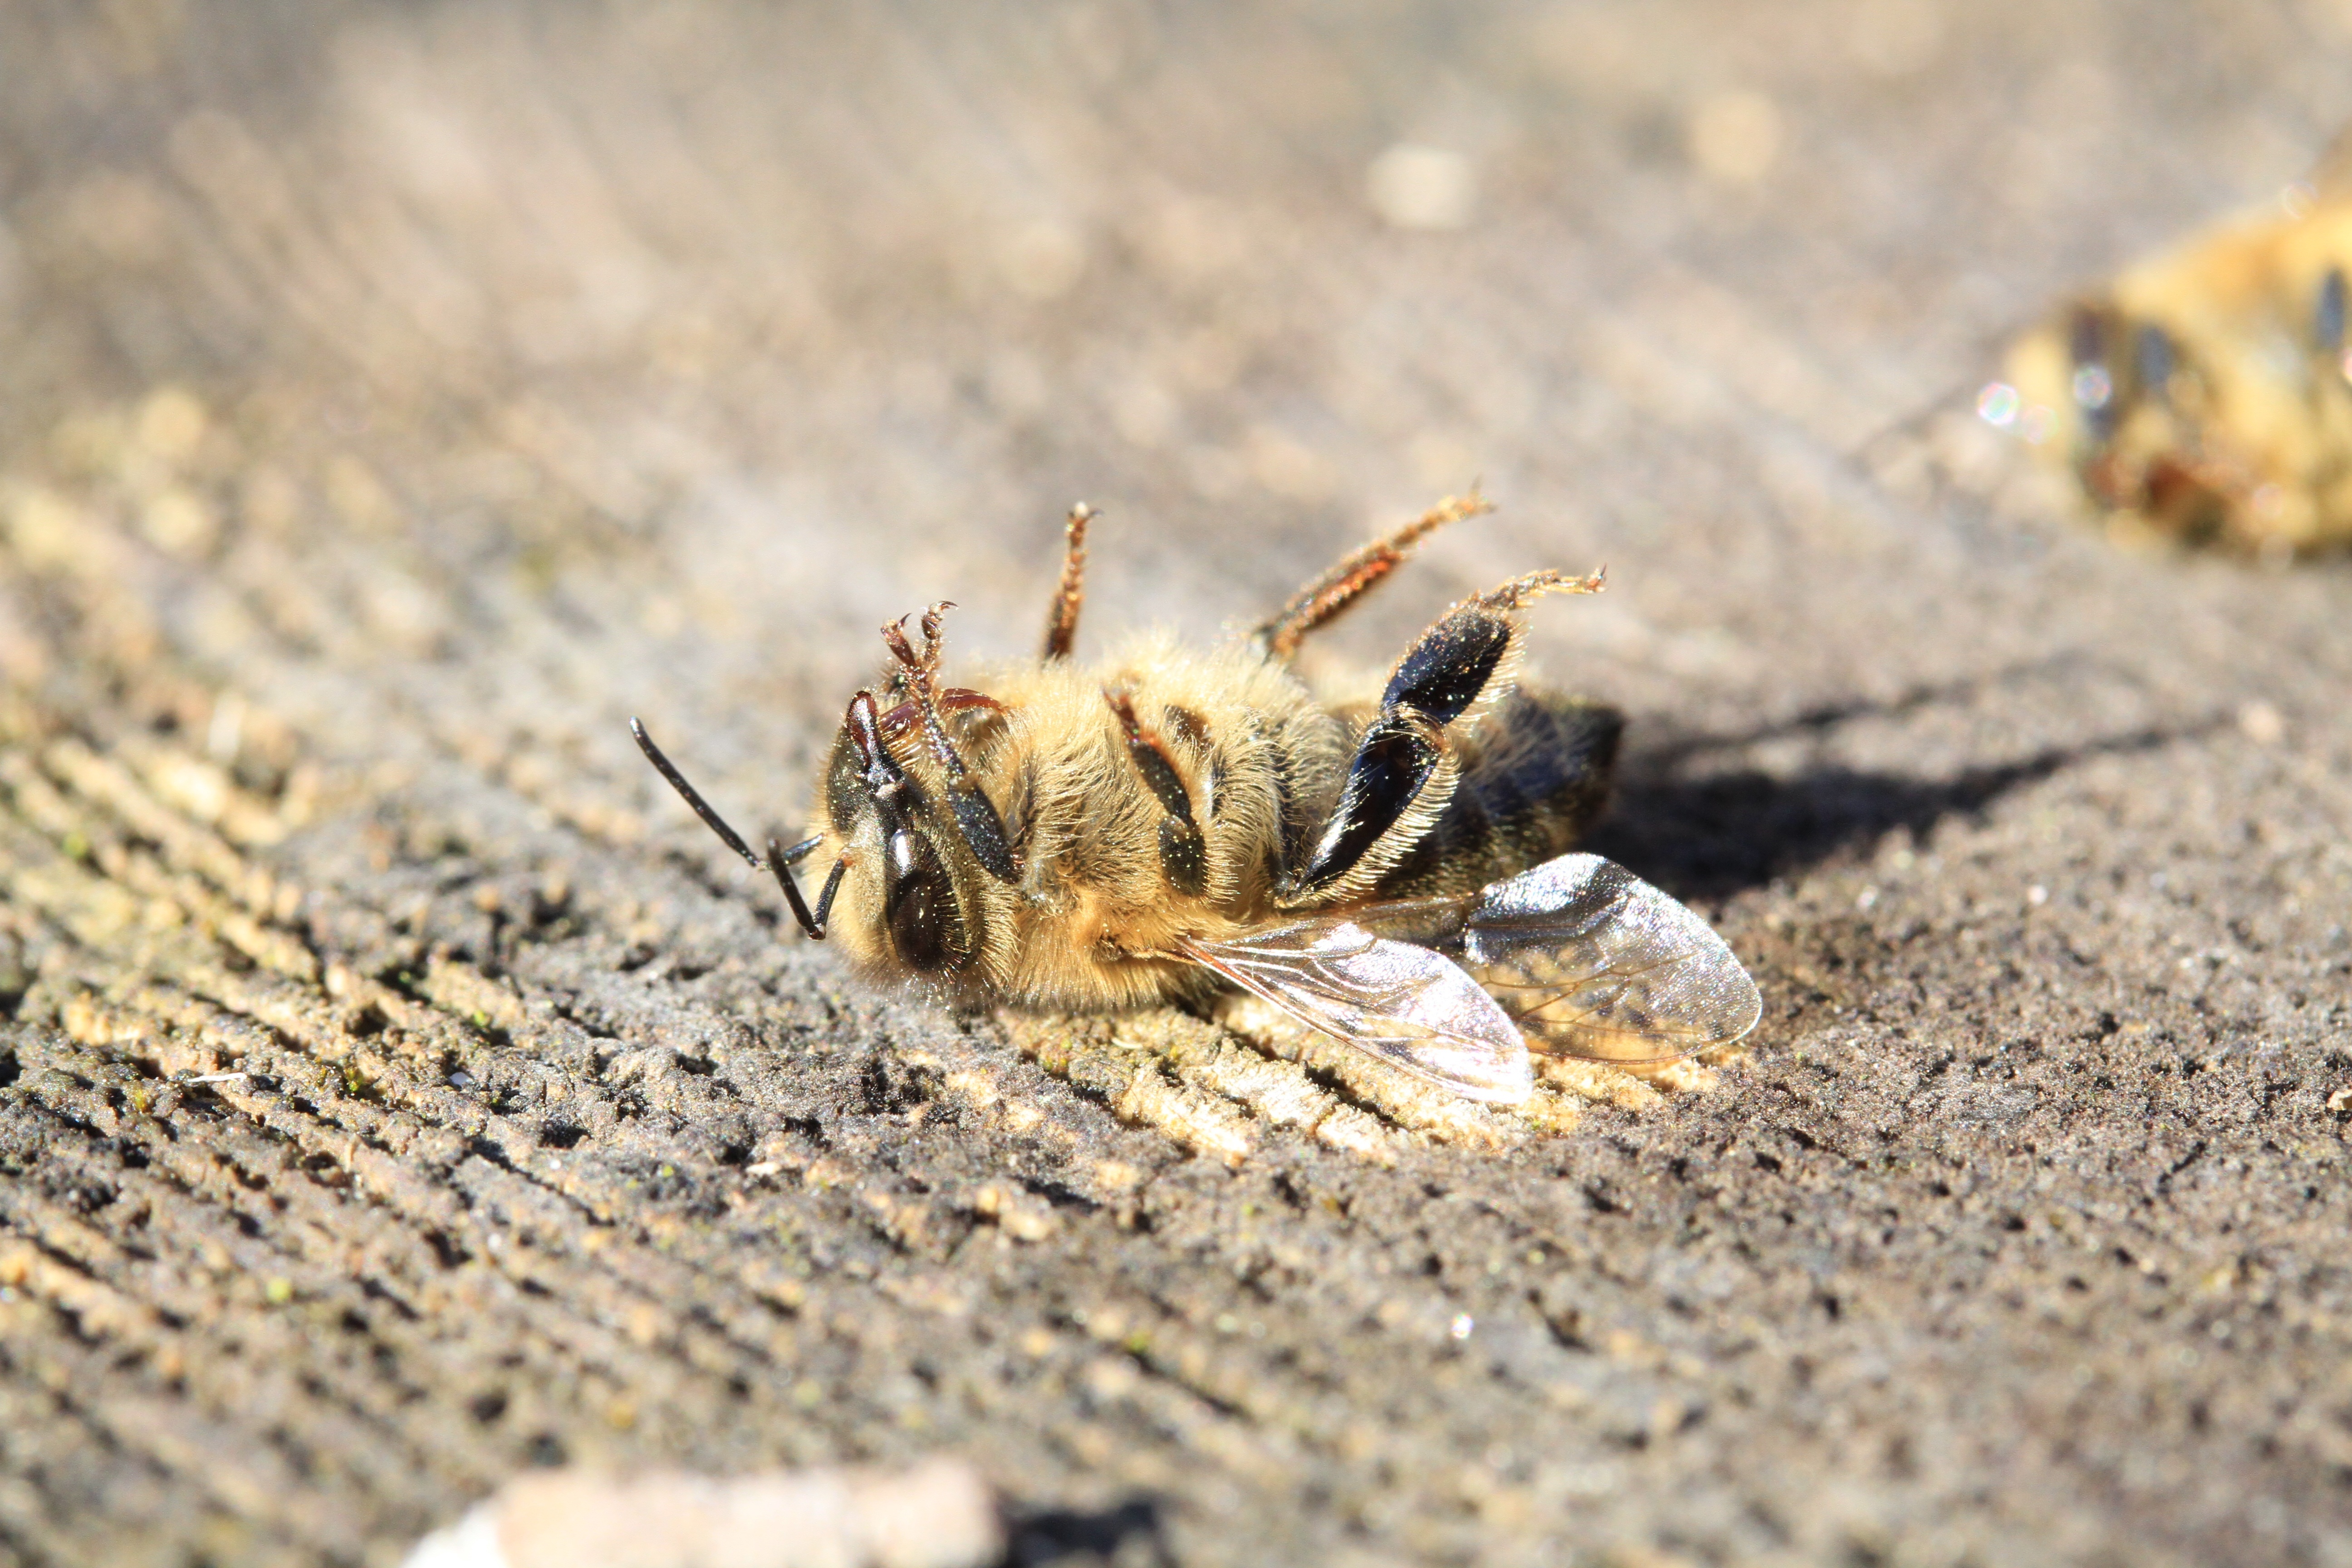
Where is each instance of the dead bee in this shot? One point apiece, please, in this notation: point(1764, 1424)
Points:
point(2206, 393)
point(1173, 822)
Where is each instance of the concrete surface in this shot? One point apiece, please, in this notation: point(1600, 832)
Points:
point(399, 395)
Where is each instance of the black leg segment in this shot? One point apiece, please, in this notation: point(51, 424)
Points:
point(1393, 762)
point(1444, 673)
point(1183, 852)
point(1401, 776)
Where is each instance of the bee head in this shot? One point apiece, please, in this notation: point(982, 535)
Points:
point(905, 908)
point(2117, 365)
point(2128, 405)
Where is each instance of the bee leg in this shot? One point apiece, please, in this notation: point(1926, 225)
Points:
point(1062, 617)
point(1354, 574)
point(977, 821)
point(1183, 853)
point(953, 699)
point(1405, 769)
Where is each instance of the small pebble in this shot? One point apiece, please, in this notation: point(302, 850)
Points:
point(939, 1514)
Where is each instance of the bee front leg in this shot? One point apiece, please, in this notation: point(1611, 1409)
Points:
point(1405, 768)
point(976, 818)
point(1070, 593)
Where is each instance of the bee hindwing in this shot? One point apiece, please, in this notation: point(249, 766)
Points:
point(1413, 1008)
point(1591, 960)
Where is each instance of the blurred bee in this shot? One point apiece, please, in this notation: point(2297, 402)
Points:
point(1176, 821)
point(2207, 391)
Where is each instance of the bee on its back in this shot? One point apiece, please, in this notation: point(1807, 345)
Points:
point(1171, 822)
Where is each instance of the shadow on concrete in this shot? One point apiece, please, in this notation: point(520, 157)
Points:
point(1128, 1535)
point(1711, 834)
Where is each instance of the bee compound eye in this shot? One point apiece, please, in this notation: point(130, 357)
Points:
point(918, 902)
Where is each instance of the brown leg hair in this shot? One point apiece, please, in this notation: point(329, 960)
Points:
point(1323, 599)
point(953, 699)
point(1519, 590)
point(1062, 617)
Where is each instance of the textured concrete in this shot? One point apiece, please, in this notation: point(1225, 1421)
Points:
point(397, 396)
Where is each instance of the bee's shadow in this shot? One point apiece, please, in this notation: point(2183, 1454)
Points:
point(1709, 832)
point(1131, 1532)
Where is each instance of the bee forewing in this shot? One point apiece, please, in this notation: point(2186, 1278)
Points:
point(1413, 1008)
point(1591, 960)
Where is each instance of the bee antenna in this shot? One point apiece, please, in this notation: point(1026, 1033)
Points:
point(778, 858)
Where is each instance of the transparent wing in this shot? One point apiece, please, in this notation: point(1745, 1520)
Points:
point(1591, 960)
point(1411, 1007)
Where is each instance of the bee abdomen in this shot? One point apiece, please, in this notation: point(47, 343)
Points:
point(1545, 777)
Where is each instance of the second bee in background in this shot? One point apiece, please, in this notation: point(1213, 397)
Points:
point(2206, 393)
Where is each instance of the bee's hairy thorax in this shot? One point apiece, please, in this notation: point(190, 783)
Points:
point(1165, 795)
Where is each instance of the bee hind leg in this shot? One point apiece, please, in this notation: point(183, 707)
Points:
point(1405, 766)
point(1354, 574)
